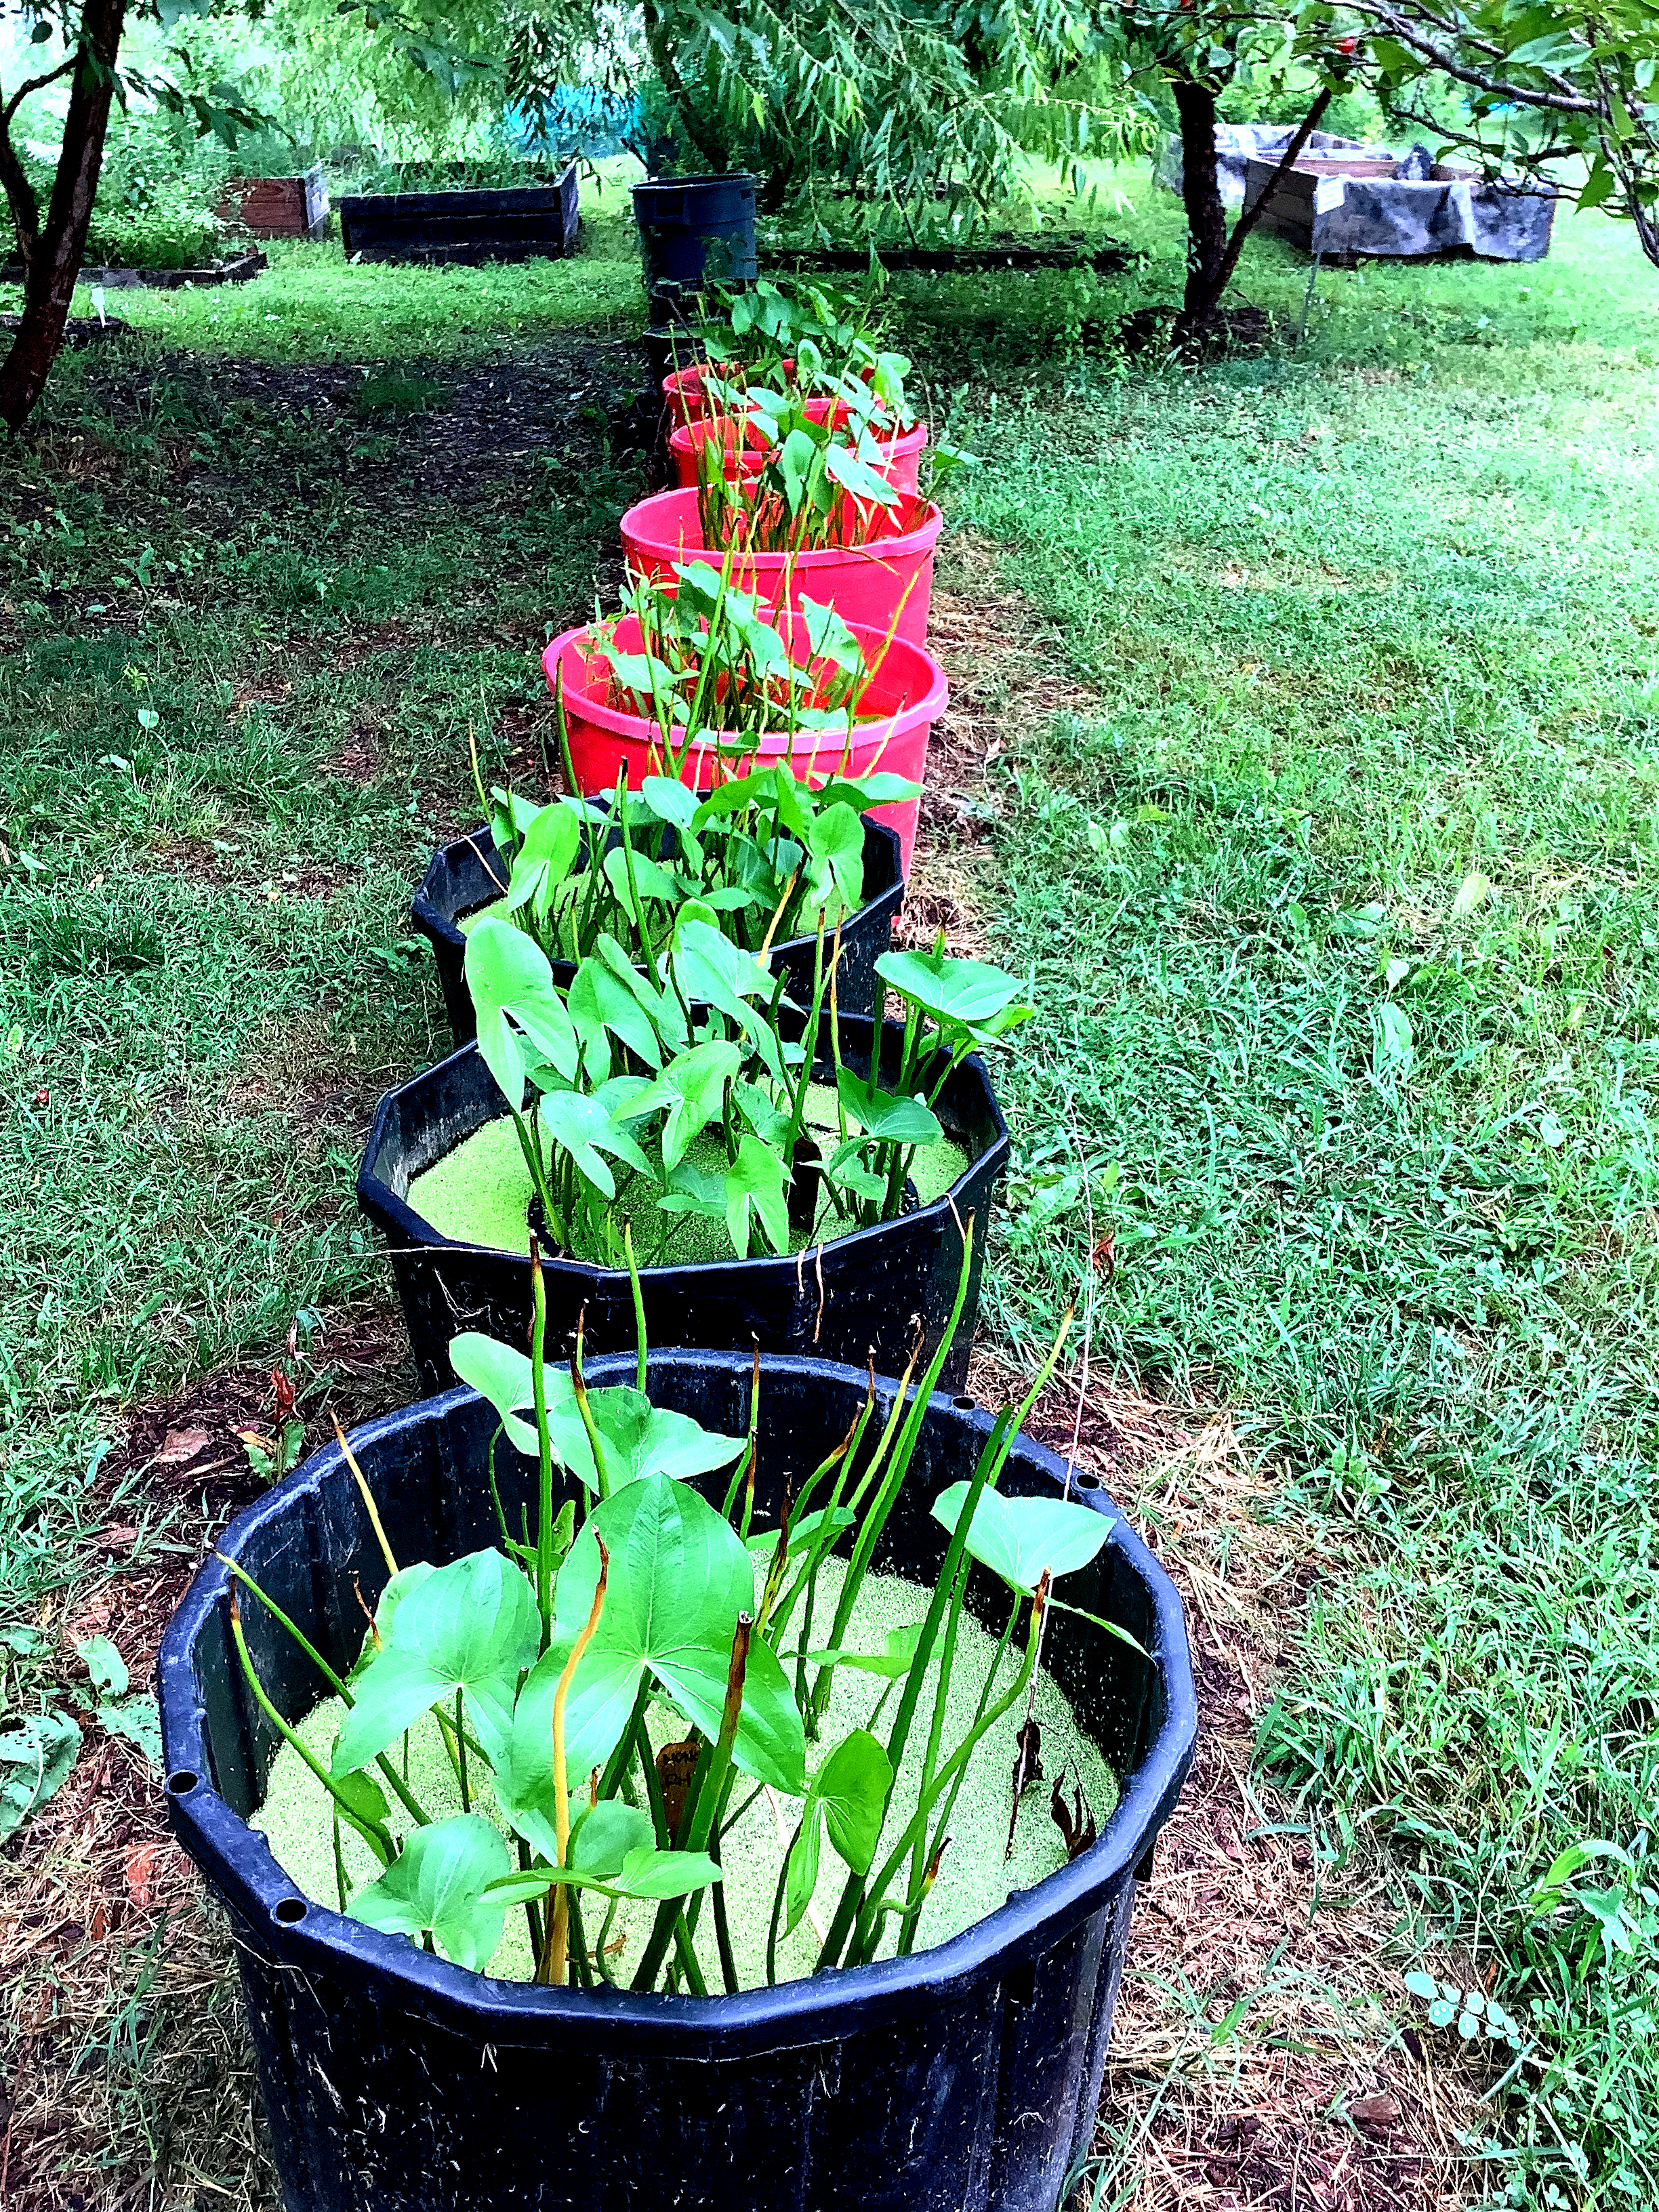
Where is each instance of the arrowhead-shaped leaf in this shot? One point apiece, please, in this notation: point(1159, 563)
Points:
point(436, 1887)
point(887, 1119)
point(1019, 1538)
point(755, 1192)
point(471, 1626)
point(515, 1000)
point(679, 1578)
point(962, 994)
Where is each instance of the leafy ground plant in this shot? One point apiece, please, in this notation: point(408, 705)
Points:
point(539, 1660)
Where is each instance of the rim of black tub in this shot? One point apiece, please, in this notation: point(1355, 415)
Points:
point(237, 1859)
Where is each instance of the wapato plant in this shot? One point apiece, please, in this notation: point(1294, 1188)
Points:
point(766, 852)
point(633, 1066)
point(810, 340)
point(820, 481)
point(539, 1659)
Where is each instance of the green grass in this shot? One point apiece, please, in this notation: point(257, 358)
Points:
point(1339, 908)
point(1362, 845)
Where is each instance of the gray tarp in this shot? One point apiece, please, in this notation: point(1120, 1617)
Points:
point(1234, 143)
point(1438, 211)
point(1392, 215)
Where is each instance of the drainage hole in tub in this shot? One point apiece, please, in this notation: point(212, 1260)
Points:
point(288, 1910)
point(181, 1783)
point(1081, 1482)
point(963, 1405)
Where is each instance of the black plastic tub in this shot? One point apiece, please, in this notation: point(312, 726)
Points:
point(468, 875)
point(860, 1297)
point(962, 2079)
point(694, 231)
point(519, 223)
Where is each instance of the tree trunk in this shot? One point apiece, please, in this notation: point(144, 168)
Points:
point(55, 263)
point(662, 54)
point(1212, 255)
point(1206, 217)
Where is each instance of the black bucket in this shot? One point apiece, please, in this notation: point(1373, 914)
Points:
point(863, 1297)
point(467, 875)
point(694, 231)
point(965, 2078)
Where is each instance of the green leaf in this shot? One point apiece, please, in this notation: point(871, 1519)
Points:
point(472, 1626)
point(852, 1786)
point(755, 1192)
point(669, 801)
point(802, 1878)
point(609, 998)
point(1442, 2011)
point(962, 994)
point(879, 788)
point(405, 1579)
point(580, 1125)
point(1019, 1538)
point(1422, 1986)
point(712, 971)
point(436, 1887)
point(107, 1669)
point(652, 881)
point(892, 1663)
point(679, 1578)
point(35, 1761)
point(828, 633)
point(137, 1719)
point(544, 859)
point(1392, 1048)
point(884, 1118)
point(515, 999)
point(848, 1797)
point(638, 1438)
point(835, 883)
point(692, 1087)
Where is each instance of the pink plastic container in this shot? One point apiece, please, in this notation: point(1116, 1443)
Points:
point(684, 394)
point(900, 458)
point(884, 585)
point(904, 698)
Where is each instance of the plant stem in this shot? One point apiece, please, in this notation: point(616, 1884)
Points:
point(641, 1348)
point(377, 1837)
point(544, 1443)
point(367, 1496)
point(722, 1933)
point(552, 1967)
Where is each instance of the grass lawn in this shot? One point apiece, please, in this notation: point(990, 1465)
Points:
point(1335, 876)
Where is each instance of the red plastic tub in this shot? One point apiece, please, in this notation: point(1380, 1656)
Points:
point(887, 580)
point(684, 394)
point(900, 460)
point(904, 698)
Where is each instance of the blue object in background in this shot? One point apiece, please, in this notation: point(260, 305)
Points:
point(574, 119)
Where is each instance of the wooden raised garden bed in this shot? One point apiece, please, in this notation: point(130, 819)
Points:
point(521, 223)
point(234, 269)
point(278, 207)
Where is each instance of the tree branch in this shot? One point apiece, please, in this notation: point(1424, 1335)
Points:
point(1252, 214)
point(35, 84)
